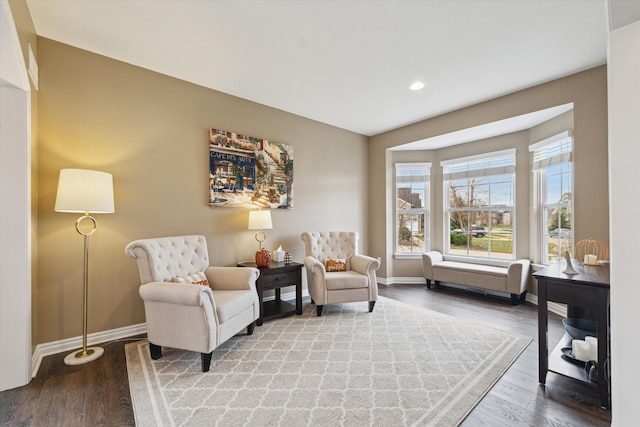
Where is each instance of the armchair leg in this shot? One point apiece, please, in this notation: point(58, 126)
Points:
point(319, 310)
point(250, 328)
point(155, 351)
point(312, 302)
point(206, 361)
point(371, 304)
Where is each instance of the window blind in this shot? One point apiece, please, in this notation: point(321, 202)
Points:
point(489, 164)
point(552, 151)
point(412, 172)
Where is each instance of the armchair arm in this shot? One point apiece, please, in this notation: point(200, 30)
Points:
point(429, 259)
point(316, 275)
point(315, 266)
point(175, 293)
point(518, 276)
point(364, 264)
point(232, 278)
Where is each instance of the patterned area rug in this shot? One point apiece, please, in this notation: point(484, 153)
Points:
point(399, 365)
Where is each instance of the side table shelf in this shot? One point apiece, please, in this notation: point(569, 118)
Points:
point(589, 289)
point(277, 276)
point(564, 367)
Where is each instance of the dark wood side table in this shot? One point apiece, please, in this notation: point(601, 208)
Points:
point(587, 290)
point(276, 276)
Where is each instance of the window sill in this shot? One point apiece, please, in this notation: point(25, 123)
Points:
point(415, 255)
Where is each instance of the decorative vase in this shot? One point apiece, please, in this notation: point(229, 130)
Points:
point(569, 268)
point(263, 258)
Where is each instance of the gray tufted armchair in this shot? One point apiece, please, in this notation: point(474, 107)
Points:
point(356, 283)
point(181, 310)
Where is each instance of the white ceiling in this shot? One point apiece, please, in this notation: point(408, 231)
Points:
point(345, 63)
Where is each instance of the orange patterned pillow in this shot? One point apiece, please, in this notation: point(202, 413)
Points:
point(196, 279)
point(338, 264)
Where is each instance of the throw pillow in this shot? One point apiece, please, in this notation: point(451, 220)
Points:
point(196, 279)
point(338, 264)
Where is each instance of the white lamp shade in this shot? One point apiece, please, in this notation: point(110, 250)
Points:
point(260, 220)
point(82, 190)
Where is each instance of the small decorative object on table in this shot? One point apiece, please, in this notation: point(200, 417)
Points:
point(263, 258)
point(287, 258)
point(279, 254)
point(569, 269)
point(593, 252)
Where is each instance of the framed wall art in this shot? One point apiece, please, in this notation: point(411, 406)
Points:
point(249, 172)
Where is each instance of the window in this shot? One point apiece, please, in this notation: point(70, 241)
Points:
point(412, 208)
point(553, 172)
point(480, 192)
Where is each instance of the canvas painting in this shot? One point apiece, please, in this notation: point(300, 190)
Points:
point(249, 172)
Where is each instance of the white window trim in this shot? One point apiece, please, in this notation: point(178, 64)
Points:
point(479, 173)
point(425, 210)
point(539, 170)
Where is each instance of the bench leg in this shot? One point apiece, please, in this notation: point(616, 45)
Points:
point(515, 299)
point(428, 283)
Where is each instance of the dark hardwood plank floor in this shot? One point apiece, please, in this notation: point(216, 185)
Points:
point(97, 394)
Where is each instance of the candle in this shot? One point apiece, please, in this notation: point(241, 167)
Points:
point(590, 259)
point(580, 350)
point(593, 347)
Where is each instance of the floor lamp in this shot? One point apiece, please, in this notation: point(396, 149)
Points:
point(84, 191)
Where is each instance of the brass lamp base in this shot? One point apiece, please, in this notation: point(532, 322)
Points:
point(81, 357)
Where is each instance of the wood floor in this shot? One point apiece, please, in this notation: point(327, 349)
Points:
point(97, 394)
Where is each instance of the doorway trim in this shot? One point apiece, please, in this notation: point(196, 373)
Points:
point(15, 208)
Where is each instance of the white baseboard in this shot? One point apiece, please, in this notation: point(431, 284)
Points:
point(70, 344)
point(289, 296)
point(554, 307)
point(402, 281)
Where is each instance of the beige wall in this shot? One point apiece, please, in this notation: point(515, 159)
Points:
point(151, 132)
point(587, 90)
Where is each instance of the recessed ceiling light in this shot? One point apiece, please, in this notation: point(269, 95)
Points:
point(416, 86)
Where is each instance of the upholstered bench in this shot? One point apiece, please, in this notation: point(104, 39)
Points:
point(512, 279)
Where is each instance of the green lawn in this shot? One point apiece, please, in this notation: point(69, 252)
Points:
point(501, 245)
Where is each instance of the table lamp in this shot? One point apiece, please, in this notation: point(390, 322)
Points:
point(85, 191)
point(260, 220)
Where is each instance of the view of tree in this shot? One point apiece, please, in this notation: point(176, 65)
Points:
point(460, 219)
point(559, 219)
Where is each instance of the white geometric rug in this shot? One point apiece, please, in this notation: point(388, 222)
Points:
point(397, 366)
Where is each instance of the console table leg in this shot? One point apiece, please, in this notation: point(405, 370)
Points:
point(299, 296)
point(602, 329)
point(543, 344)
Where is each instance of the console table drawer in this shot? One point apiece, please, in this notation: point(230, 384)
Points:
point(278, 280)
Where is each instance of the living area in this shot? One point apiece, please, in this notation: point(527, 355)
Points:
point(150, 131)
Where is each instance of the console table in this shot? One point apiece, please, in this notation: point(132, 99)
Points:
point(588, 290)
point(276, 276)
